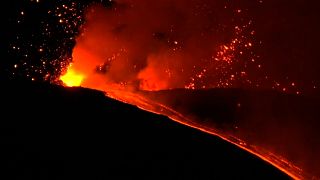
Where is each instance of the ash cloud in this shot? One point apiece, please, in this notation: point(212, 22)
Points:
point(152, 45)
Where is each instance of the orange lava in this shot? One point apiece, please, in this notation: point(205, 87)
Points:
point(72, 78)
point(106, 60)
point(137, 99)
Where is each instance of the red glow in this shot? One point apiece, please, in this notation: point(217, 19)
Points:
point(166, 53)
point(125, 50)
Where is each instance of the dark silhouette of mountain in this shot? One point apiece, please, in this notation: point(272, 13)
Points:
point(52, 132)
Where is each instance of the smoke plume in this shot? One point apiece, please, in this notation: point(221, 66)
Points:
point(154, 45)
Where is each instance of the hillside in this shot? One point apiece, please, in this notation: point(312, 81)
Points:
point(52, 132)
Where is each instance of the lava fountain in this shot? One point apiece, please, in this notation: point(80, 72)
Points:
point(191, 62)
point(71, 78)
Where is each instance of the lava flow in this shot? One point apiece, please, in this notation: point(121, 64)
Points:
point(206, 49)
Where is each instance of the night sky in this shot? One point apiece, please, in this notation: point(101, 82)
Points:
point(38, 37)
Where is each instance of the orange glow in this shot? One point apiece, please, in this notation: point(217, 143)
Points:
point(107, 59)
point(72, 78)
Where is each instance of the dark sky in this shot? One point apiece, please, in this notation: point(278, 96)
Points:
point(35, 44)
point(289, 31)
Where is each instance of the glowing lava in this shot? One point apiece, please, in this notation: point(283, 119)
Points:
point(115, 55)
point(72, 78)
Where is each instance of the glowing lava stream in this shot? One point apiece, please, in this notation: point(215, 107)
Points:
point(154, 107)
point(137, 99)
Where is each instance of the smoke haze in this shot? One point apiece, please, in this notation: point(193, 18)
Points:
point(164, 44)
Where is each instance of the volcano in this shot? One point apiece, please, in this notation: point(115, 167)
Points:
point(49, 132)
point(169, 89)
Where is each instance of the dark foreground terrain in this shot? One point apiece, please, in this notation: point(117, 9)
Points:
point(286, 125)
point(51, 132)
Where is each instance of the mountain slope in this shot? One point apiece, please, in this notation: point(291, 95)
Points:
point(51, 132)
